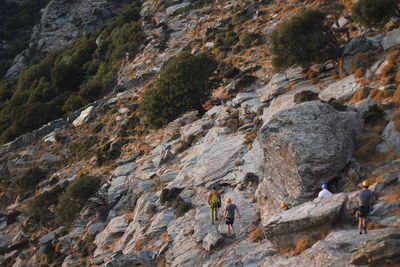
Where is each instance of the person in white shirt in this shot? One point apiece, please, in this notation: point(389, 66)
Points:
point(324, 192)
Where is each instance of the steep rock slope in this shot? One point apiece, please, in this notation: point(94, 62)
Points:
point(155, 183)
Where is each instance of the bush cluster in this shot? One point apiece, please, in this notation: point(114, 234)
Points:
point(37, 209)
point(69, 78)
point(373, 13)
point(303, 39)
point(226, 39)
point(31, 178)
point(183, 85)
point(74, 198)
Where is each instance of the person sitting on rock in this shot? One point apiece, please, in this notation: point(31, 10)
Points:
point(214, 201)
point(324, 192)
point(364, 196)
point(229, 215)
point(284, 206)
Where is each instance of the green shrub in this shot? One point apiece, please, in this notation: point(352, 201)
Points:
point(74, 198)
point(31, 178)
point(183, 85)
point(374, 13)
point(303, 39)
point(16, 20)
point(37, 209)
point(374, 115)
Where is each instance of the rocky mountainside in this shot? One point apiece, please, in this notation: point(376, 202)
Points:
point(99, 188)
point(61, 22)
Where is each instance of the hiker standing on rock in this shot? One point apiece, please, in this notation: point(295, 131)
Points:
point(229, 215)
point(364, 196)
point(214, 200)
point(324, 192)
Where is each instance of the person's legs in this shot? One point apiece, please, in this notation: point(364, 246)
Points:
point(364, 222)
point(360, 224)
point(213, 213)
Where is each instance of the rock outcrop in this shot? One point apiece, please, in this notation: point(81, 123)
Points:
point(304, 147)
point(311, 219)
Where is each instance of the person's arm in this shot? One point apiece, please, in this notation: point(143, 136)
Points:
point(237, 210)
point(320, 194)
point(354, 195)
point(209, 198)
point(225, 212)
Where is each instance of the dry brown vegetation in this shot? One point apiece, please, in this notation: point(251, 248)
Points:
point(381, 95)
point(373, 226)
point(394, 196)
point(359, 95)
point(256, 233)
point(367, 148)
point(389, 71)
point(302, 244)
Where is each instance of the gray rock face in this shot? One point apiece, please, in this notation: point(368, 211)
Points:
point(335, 250)
point(118, 186)
point(280, 83)
point(311, 218)
point(211, 240)
point(114, 230)
point(49, 158)
point(63, 21)
point(378, 252)
point(85, 116)
point(304, 147)
point(357, 45)
point(391, 139)
point(392, 38)
point(173, 9)
point(47, 238)
point(287, 100)
point(340, 90)
point(124, 169)
point(211, 160)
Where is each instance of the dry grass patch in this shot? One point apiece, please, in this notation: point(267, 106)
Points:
point(396, 95)
point(381, 95)
point(256, 233)
point(141, 243)
point(367, 148)
point(302, 244)
point(374, 226)
point(389, 71)
point(358, 96)
point(393, 197)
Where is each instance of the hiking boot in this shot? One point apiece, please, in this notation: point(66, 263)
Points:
point(360, 233)
point(365, 230)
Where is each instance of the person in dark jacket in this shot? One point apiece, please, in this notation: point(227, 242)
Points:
point(229, 215)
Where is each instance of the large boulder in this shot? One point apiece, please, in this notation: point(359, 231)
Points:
point(311, 219)
point(304, 147)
